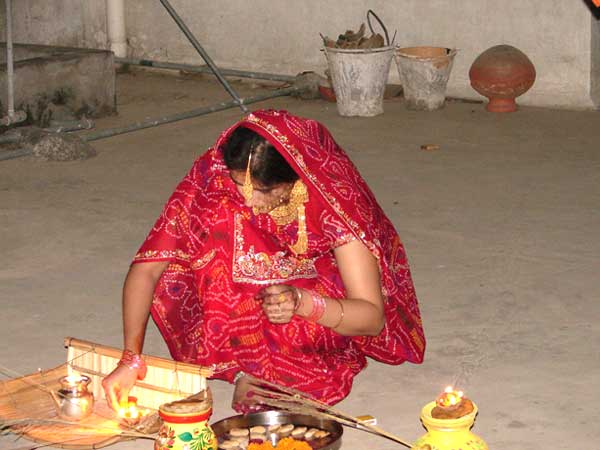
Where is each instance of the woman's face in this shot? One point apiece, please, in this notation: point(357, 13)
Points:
point(263, 199)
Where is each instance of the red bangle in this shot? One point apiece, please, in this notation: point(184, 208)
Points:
point(134, 361)
point(318, 307)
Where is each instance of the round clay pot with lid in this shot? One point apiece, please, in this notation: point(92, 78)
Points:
point(502, 73)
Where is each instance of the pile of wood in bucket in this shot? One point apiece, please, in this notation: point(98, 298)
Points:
point(355, 40)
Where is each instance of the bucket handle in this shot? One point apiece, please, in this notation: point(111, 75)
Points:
point(385, 31)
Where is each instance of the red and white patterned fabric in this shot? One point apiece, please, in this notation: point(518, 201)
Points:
point(221, 254)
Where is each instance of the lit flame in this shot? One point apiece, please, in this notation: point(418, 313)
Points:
point(130, 410)
point(450, 397)
point(74, 379)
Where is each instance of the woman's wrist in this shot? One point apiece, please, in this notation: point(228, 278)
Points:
point(237, 376)
point(302, 307)
point(134, 361)
point(315, 308)
point(318, 307)
point(341, 316)
point(297, 299)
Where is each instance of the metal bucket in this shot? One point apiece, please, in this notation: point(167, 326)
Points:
point(424, 73)
point(359, 78)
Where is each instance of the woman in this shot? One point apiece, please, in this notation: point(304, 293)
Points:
point(272, 258)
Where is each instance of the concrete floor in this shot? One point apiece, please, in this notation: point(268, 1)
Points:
point(501, 225)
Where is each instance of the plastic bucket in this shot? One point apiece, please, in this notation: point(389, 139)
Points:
point(424, 73)
point(359, 78)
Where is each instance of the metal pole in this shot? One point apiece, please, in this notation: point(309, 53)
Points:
point(11, 116)
point(205, 69)
point(101, 134)
point(55, 127)
point(9, 60)
point(203, 53)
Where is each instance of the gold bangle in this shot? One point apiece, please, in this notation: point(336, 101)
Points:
point(298, 302)
point(237, 376)
point(341, 313)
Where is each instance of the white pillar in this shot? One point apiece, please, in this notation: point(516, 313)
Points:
point(115, 15)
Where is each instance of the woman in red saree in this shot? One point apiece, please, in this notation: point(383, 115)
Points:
point(294, 280)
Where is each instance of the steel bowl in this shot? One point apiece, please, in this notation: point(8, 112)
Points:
point(332, 442)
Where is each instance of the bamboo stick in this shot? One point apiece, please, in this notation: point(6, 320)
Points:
point(150, 360)
point(293, 400)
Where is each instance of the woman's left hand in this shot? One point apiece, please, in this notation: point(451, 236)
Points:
point(279, 302)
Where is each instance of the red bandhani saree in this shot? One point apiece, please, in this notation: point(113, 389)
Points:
point(221, 254)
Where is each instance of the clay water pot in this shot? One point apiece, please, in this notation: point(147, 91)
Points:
point(502, 73)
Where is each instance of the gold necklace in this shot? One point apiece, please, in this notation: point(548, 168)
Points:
point(287, 213)
point(292, 210)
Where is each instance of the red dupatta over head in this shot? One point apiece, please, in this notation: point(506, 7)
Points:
point(221, 254)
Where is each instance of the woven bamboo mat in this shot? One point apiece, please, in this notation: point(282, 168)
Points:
point(25, 398)
point(29, 399)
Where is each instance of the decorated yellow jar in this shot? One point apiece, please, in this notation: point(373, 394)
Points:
point(448, 434)
point(185, 426)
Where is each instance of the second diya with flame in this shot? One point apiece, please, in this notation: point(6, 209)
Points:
point(452, 405)
point(448, 421)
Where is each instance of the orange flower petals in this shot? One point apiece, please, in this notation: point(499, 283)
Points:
point(286, 443)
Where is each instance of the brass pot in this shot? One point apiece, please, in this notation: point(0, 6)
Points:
point(75, 402)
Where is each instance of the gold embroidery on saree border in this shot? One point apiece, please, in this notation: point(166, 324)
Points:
point(200, 263)
point(333, 202)
point(250, 266)
point(162, 254)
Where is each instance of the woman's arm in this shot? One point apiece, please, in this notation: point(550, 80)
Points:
point(138, 291)
point(363, 305)
point(361, 313)
point(137, 300)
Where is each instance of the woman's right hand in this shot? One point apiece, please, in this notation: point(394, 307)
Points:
point(279, 302)
point(244, 400)
point(117, 385)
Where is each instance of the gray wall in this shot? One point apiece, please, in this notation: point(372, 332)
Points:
point(74, 23)
point(283, 36)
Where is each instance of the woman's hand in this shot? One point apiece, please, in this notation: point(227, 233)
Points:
point(279, 302)
point(243, 398)
point(117, 385)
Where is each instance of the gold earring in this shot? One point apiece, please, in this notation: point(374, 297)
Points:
point(301, 244)
point(247, 188)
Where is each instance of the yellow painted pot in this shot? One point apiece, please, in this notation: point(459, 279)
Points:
point(448, 434)
point(185, 427)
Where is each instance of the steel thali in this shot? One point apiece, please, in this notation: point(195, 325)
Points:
point(331, 442)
